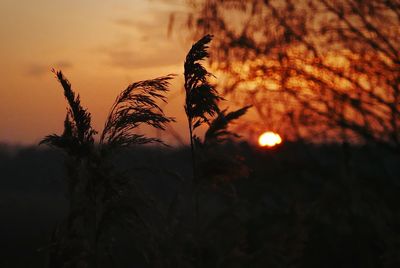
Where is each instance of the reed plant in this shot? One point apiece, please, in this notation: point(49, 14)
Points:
point(202, 108)
point(100, 196)
point(210, 165)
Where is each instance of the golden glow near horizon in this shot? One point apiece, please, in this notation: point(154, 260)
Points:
point(269, 139)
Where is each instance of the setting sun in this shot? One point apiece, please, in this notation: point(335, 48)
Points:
point(269, 139)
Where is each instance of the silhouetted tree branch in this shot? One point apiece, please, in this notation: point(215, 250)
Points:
point(319, 70)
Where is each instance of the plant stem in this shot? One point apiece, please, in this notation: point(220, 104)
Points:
point(196, 190)
point(195, 179)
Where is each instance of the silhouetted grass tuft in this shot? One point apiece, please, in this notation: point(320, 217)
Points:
point(217, 131)
point(210, 164)
point(201, 97)
point(201, 106)
point(136, 105)
point(78, 132)
point(100, 197)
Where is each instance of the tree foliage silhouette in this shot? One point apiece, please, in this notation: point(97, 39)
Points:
point(316, 70)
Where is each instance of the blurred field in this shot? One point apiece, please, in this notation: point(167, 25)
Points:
point(300, 206)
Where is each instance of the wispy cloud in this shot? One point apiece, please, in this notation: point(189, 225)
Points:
point(145, 45)
point(131, 56)
point(39, 69)
point(154, 23)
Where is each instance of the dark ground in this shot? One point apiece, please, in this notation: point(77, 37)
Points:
point(299, 206)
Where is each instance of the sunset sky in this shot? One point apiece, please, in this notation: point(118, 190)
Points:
point(101, 46)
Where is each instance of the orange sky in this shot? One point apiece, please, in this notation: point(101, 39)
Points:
point(100, 45)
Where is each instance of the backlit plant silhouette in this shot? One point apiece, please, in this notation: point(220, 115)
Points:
point(201, 104)
point(210, 166)
point(100, 197)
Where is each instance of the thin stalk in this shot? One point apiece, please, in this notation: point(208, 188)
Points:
point(194, 173)
point(196, 190)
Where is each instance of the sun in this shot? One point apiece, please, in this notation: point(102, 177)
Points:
point(269, 139)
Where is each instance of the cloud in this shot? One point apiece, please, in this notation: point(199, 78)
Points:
point(143, 26)
point(39, 69)
point(142, 57)
point(147, 46)
point(143, 41)
point(150, 22)
point(126, 22)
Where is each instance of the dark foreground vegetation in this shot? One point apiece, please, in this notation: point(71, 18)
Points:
point(219, 203)
point(298, 206)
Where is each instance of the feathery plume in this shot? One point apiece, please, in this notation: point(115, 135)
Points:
point(218, 129)
point(136, 105)
point(201, 96)
point(78, 132)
